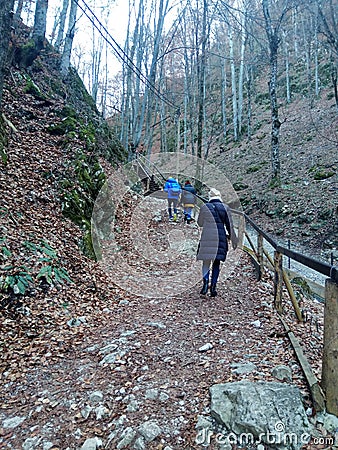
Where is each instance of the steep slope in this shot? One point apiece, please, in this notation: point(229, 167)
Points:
point(304, 208)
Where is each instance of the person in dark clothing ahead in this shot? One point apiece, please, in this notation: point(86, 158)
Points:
point(188, 199)
point(216, 221)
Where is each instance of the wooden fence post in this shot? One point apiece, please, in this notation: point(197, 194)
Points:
point(278, 281)
point(288, 287)
point(330, 350)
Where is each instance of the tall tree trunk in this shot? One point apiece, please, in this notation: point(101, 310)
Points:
point(189, 110)
point(105, 84)
point(223, 97)
point(287, 66)
point(150, 96)
point(6, 18)
point(273, 38)
point(307, 49)
point(97, 48)
point(334, 78)
point(233, 86)
point(201, 79)
point(62, 23)
point(40, 24)
point(244, 34)
point(316, 50)
point(275, 160)
point(132, 113)
point(249, 82)
point(126, 114)
point(295, 17)
point(67, 50)
point(329, 27)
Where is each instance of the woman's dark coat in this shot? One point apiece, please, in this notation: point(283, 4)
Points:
point(213, 243)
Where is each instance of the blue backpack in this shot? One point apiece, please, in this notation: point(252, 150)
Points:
point(174, 189)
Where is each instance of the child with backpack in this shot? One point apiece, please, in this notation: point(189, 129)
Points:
point(188, 200)
point(173, 189)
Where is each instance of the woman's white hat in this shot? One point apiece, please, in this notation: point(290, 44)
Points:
point(214, 194)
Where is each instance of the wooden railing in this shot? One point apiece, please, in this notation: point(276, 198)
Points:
point(324, 394)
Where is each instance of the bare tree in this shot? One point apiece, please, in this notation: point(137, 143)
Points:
point(6, 16)
point(62, 22)
point(96, 60)
point(40, 24)
point(201, 63)
point(273, 30)
point(233, 84)
point(67, 50)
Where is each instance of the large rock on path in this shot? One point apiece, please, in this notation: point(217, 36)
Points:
point(261, 412)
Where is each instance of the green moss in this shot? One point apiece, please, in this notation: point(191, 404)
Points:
point(262, 98)
point(33, 89)
point(81, 187)
point(67, 125)
point(240, 186)
point(301, 287)
point(26, 53)
point(68, 111)
point(275, 182)
point(256, 167)
point(321, 173)
point(87, 134)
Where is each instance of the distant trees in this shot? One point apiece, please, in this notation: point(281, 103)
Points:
point(189, 81)
point(6, 17)
point(141, 69)
point(328, 26)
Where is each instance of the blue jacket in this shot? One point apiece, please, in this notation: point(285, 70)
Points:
point(173, 188)
point(213, 244)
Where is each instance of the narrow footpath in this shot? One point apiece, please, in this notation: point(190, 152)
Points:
point(138, 362)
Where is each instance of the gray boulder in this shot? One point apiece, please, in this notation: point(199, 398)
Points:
point(261, 412)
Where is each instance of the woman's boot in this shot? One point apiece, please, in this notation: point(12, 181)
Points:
point(204, 289)
point(213, 291)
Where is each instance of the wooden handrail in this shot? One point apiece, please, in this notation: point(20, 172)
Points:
point(321, 267)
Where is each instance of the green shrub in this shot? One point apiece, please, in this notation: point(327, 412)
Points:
point(44, 263)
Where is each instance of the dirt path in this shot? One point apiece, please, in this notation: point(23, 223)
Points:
point(139, 360)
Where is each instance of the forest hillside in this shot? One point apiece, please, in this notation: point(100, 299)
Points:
point(61, 318)
point(304, 208)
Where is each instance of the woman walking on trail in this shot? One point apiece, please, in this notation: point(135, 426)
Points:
point(216, 221)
